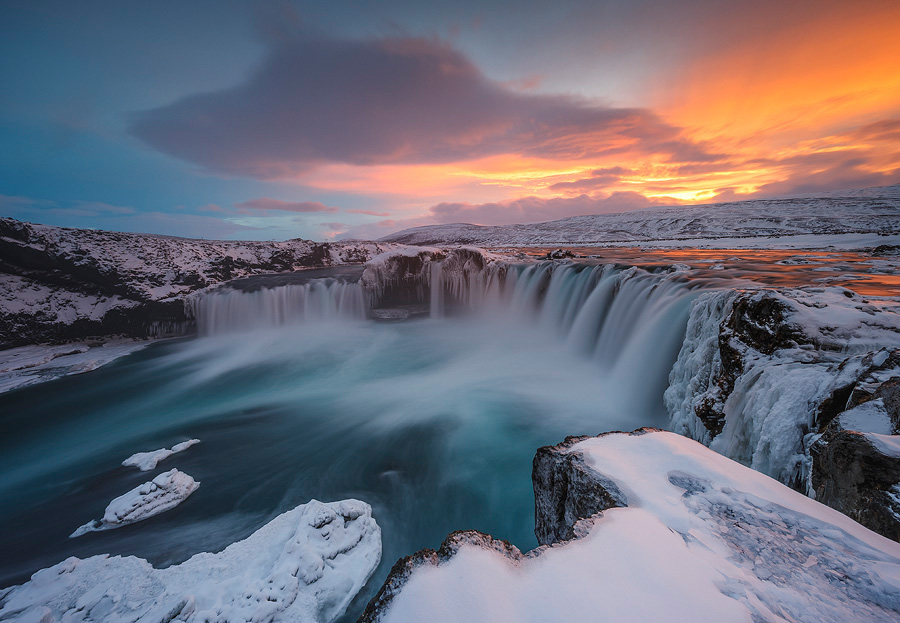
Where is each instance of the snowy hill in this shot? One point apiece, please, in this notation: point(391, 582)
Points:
point(60, 284)
point(866, 211)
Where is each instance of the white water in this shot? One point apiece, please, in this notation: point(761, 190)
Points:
point(320, 300)
point(628, 322)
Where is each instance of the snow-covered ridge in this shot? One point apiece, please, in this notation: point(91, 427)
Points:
point(304, 565)
point(60, 284)
point(680, 533)
point(872, 211)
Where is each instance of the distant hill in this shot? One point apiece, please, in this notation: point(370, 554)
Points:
point(865, 211)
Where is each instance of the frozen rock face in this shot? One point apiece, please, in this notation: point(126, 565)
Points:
point(699, 538)
point(762, 374)
point(304, 565)
point(146, 461)
point(159, 495)
point(60, 284)
point(858, 473)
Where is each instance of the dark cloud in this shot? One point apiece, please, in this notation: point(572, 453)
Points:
point(397, 100)
point(265, 203)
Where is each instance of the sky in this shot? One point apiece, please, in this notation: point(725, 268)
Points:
point(331, 120)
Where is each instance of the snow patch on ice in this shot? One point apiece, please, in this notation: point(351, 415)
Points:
point(156, 496)
point(145, 461)
point(869, 417)
point(28, 365)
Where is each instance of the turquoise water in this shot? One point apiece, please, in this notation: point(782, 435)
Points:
point(434, 423)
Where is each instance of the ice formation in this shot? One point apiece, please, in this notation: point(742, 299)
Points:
point(304, 565)
point(156, 496)
point(759, 372)
point(145, 461)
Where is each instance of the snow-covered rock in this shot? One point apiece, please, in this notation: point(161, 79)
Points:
point(859, 474)
point(156, 496)
point(60, 284)
point(690, 536)
point(870, 211)
point(145, 461)
point(304, 565)
point(762, 374)
point(417, 275)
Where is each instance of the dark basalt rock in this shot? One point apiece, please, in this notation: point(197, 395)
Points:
point(850, 475)
point(759, 322)
point(566, 490)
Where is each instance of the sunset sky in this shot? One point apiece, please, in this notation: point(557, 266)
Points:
point(355, 119)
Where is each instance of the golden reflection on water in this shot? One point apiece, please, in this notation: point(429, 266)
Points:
point(864, 273)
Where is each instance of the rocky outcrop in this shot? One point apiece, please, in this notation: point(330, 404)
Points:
point(421, 275)
point(60, 285)
point(698, 535)
point(566, 490)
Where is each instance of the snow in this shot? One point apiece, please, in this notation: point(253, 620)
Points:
point(842, 220)
point(156, 496)
point(888, 445)
point(146, 461)
point(702, 538)
point(304, 565)
point(28, 365)
point(869, 417)
point(775, 398)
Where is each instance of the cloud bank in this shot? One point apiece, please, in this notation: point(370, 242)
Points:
point(397, 100)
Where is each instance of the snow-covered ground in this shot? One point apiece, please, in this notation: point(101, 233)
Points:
point(304, 565)
point(853, 219)
point(700, 538)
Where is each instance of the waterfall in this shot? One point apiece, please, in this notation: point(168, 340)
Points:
point(629, 321)
point(320, 300)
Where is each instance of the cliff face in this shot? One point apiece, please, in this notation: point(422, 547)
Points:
point(59, 285)
point(653, 526)
point(769, 378)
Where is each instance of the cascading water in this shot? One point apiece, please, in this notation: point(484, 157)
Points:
point(629, 322)
point(320, 300)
